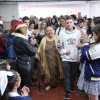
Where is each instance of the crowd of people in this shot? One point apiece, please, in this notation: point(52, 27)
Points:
point(65, 47)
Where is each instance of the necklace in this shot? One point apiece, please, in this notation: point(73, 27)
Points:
point(50, 43)
point(50, 39)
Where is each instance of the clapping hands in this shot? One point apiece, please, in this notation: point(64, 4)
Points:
point(25, 91)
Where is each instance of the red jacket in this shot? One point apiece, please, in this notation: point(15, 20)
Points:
point(2, 44)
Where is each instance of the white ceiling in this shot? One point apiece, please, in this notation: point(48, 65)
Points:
point(41, 0)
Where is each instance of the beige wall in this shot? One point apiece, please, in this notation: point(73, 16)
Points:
point(8, 11)
point(6, 25)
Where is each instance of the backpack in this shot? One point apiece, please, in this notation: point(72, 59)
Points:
point(10, 50)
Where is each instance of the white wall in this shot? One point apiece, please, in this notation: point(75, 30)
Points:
point(95, 9)
point(9, 11)
point(50, 10)
point(44, 9)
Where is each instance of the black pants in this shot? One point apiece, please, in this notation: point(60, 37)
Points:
point(99, 97)
point(24, 69)
point(12, 63)
point(3, 55)
point(69, 69)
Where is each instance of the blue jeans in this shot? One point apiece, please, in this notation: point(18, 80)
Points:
point(69, 69)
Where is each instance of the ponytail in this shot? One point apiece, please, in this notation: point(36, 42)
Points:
point(9, 78)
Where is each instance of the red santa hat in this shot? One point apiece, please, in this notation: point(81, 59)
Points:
point(18, 25)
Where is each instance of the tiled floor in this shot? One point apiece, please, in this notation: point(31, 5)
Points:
point(54, 94)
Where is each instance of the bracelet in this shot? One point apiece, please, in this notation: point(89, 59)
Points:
point(86, 43)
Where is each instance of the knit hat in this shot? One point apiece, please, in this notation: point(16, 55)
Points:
point(18, 25)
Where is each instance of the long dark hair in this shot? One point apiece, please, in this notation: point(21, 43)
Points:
point(61, 25)
point(62, 19)
point(13, 22)
point(96, 20)
point(11, 83)
point(89, 31)
point(96, 30)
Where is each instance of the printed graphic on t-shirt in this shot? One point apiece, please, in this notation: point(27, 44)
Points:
point(71, 41)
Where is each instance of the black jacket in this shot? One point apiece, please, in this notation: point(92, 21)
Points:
point(24, 50)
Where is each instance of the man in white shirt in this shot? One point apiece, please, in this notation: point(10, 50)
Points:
point(26, 20)
point(69, 53)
